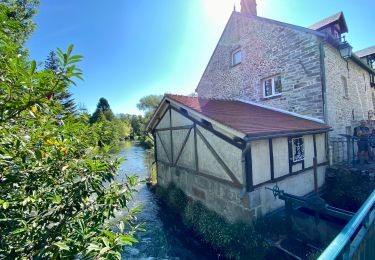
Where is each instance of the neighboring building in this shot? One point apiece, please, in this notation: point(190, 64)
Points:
point(225, 152)
point(290, 67)
point(266, 101)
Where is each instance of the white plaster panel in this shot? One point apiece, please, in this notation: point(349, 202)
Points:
point(160, 151)
point(321, 148)
point(165, 121)
point(207, 163)
point(260, 161)
point(187, 158)
point(280, 156)
point(309, 150)
point(230, 154)
point(165, 136)
point(178, 140)
point(180, 120)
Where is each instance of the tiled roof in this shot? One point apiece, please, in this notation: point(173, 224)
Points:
point(366, 52)
point(330, 20)
point(250, 119)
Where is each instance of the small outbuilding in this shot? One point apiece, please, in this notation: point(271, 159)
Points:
point(225, 152)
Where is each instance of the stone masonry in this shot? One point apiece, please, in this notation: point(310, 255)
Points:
point(267, 49)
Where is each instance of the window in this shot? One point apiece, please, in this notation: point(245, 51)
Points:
point(298, 149)
point(345, 86)
point(236, 57)
point(372, 80)
point(272, 86)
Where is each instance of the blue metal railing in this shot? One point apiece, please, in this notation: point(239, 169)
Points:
point(357, 239)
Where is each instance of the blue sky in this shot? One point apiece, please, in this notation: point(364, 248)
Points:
point(135, 48)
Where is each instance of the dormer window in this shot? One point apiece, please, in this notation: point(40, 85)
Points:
point(236, 57)
point(272, 86)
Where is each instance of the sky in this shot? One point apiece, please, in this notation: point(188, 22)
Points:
point(136, 48)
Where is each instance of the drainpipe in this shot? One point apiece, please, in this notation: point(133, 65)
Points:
point(324, 91)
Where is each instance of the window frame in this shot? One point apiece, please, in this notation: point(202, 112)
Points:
point(294, 161)
point(238, 50)
point(273, 86)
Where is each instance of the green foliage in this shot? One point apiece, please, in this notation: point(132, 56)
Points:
point(234, 240)
point(347, 190)
point(109, 129)
point(149, 103)
point(65, 97)
point(56, 194)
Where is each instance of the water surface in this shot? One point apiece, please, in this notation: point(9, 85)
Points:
point(166, 237)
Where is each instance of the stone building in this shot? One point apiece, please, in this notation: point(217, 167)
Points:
point(225, 152)
point(292, 68)
point(267, 100)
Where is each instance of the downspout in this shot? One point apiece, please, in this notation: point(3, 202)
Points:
point(324, 93)
point(324, 83)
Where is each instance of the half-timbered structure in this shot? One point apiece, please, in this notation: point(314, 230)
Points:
point(225, 152)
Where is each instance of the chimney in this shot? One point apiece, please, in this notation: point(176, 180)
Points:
point(249, 7)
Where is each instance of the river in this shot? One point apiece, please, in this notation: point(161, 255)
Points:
point(165, 237)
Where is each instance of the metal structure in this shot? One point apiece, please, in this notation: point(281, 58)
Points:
point(357, 239)
point(314, 203)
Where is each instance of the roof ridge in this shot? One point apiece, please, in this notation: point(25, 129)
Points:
point(217, 99)
point(281, 111)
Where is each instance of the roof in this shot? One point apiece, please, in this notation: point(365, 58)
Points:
point(336, 18)
point(249, 119)
point(366, 52)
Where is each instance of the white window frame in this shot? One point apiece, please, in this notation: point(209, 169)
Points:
point(233, 55)
point(273, 86)
point(294, 149)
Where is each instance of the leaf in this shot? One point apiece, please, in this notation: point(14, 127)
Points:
point(5, 205)
point(32, 67)
point(34, 109)
point(108, 234)
point(62, 245)
point(93, 247)
point(70, 49)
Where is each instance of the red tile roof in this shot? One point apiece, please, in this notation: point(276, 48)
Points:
point(247, 118)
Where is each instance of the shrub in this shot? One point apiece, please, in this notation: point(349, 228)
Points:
point(233, 240)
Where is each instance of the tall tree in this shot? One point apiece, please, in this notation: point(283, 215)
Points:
point(149, 103)
point(102, 108)
point(65, 97)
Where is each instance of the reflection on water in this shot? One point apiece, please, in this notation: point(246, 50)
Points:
point(165, 237)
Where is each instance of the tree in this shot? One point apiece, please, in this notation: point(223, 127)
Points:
point(104, 109)
point(53, 201)
point(149, 103)
point(64, 97)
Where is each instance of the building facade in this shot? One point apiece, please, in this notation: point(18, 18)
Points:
point(292, 68)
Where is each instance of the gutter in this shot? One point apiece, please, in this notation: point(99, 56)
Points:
point(250, 138)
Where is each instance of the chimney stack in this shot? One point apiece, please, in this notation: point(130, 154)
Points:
point(249, 7)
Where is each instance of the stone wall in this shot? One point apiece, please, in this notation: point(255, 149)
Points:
point(268, 49)
point(344, 112)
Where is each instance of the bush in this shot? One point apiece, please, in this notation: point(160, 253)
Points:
point(233, 240)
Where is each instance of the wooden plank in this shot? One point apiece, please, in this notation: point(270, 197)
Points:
point(289, 175)
point(170, 122)
point(220, 161)
point(203, 174)
point(183, 145)
point(196, 148)
point(239, 143)
point(272, 166)
point(249, 169)
point(175, 128)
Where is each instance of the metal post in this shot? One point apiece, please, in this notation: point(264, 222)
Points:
point(330, 155)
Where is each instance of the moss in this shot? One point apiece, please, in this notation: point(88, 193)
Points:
point(233, 240)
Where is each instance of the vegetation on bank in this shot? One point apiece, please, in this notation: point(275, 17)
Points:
point(57, 189)
point(232, 240)
point(348, 189)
